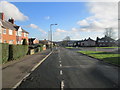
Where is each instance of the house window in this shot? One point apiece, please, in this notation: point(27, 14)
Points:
point(24, 34)
point(10, 32)
point(99, 41)
point(11, 41)
point(4, 31)
point(5, 41)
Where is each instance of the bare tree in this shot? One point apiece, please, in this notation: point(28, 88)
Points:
point(67, 38)
point(65, 41)
point(109, 32)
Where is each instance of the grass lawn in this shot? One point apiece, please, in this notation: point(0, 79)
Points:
point(105, 56)
point(69, 47)
point(108, 47)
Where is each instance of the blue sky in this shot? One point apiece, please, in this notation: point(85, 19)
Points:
point(64, 14)
point(79, 20)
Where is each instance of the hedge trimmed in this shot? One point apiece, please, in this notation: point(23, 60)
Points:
point(4, 48)
point(17, 51)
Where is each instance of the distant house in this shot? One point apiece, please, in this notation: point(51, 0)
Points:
point(10, 32)
point(33, 41)
point(105, 42)
point(72, 43)
point(87, 42)
point(118, 42)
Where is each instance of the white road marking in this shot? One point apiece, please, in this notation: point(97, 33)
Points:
point(60, 65)
point(62, 85)
point(15, 86)
point(59, 61)
point(61, 73)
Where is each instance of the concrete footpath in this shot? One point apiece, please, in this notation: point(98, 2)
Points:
point(14, 71)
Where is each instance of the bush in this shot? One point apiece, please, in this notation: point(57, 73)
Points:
point(24, 42)
point(41, 47)
point(17, 51)
point(4, 48)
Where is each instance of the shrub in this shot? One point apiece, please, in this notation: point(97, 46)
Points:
point(4, 48)
point(24, 42)
point(41, 47)
point(17, 51)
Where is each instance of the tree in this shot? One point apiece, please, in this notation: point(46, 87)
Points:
point(109, 32)
point(24, 42)
point(65, 41)
point(67, 38)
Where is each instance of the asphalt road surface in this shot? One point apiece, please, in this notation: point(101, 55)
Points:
point(65, 68)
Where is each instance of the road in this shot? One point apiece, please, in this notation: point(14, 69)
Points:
point(65, 68)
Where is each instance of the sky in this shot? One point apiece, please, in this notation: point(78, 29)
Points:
point(79, 20)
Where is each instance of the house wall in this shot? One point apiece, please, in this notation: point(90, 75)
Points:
point(35, 41)
point(6, 37)
point(0, 34)
point(88, 43)
point(25, 37)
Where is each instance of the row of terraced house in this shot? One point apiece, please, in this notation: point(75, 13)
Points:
point(100, 42)
point(10, 32)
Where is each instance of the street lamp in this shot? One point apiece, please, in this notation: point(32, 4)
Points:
point(51, 33)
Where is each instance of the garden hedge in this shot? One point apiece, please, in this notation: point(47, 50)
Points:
point(4, 52)
point(17, 51)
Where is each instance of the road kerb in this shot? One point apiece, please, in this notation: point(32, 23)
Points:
point(15, 86)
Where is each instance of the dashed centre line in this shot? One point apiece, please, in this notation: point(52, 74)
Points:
point(59, 61)
point(61, 73)
point(60, 65)
point(62, 85)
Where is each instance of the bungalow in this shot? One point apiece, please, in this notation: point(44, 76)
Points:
point(105, 41)
point(10, 32)
point(88, 42)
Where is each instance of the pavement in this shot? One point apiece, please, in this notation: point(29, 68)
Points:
point(65, 68)
point(14, 71)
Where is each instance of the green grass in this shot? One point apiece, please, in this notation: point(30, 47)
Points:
point(108, 47)
point(69, 47)
point(105, 56)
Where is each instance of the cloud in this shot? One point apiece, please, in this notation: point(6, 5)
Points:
point(11, 10)
point(47, 17)
point(61, 31)
point(103, 15)
point(36, 27)
point(60, 34)
point(83, 23)
point(33, 26)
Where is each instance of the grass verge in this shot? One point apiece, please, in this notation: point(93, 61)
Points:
point(105, 56)
point(108, 47)
point(68, 47)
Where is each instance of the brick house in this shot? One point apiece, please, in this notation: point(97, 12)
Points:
point(10, 32)
point(105, 42)
point(33, 41)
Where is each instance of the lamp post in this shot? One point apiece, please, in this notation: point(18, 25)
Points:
point(51, 33)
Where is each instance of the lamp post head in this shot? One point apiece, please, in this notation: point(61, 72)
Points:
point(53, 24)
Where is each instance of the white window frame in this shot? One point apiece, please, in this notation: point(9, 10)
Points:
point(11, 41)
point(5, 41)
point(24, 34)
point(10, 32)
point(5, 31)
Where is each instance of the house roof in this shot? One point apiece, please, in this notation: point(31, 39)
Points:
point(106, 38)
point(6, 24)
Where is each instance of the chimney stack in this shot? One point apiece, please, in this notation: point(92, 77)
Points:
point(2, 16)
point(11, 20)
